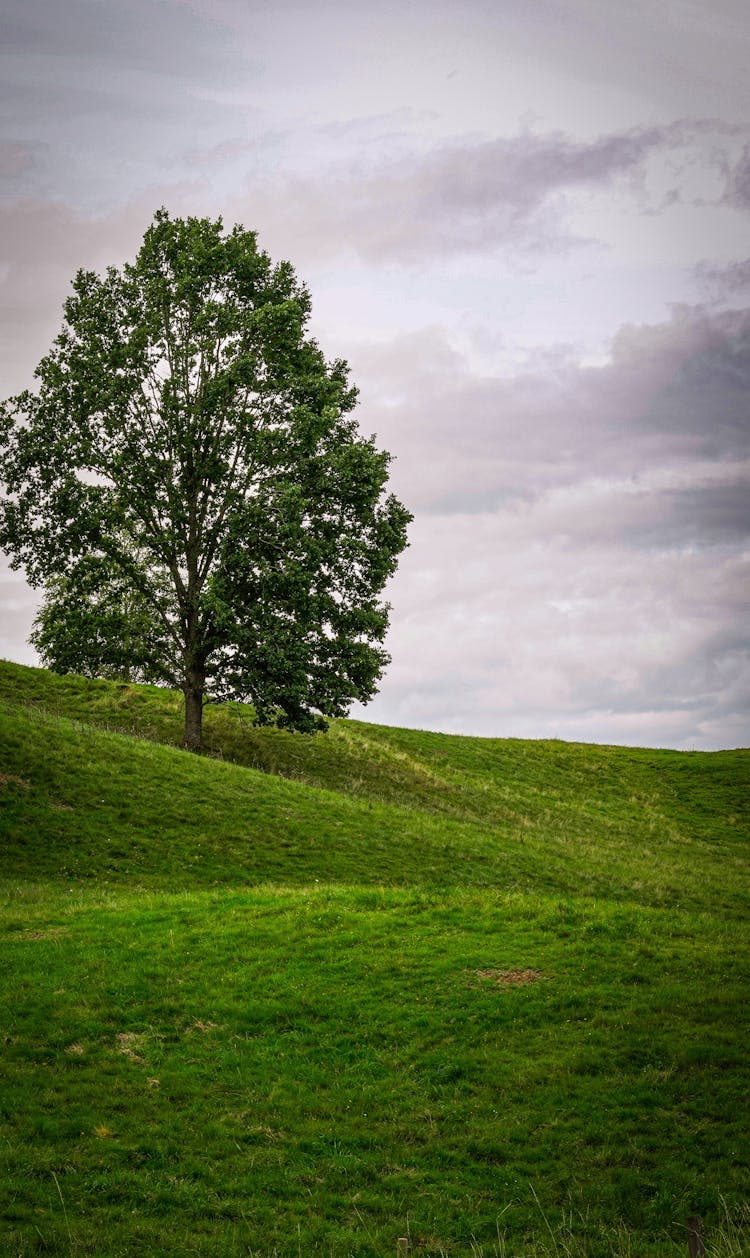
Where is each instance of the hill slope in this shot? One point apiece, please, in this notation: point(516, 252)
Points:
point(490, 994)
point(359, 804)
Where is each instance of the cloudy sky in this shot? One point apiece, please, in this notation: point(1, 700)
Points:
point(526, 225)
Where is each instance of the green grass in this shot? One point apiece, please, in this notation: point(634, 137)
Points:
point(254, 1004)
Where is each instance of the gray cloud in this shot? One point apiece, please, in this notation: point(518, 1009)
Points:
point(608, 643)
point(471, 197)
point(655, 54)
point(581, 538)
point(699, 366)
point(738, 189)
point(162, 38)
point(107, 94)
point(668, 414)
point(725, 283)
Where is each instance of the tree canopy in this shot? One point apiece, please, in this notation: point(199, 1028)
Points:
point(188, 487)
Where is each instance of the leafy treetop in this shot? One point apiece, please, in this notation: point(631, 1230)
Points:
point(188, 487)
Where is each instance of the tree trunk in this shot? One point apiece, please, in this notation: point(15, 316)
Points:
point(194, 687)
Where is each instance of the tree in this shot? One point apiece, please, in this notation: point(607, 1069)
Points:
point(190, 490)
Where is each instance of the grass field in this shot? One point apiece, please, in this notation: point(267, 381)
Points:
point(306, 996)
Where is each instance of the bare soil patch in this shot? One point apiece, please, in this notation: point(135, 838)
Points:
point(128, 1042)
point(12, 779)
point(509, 978)
point(33, 936)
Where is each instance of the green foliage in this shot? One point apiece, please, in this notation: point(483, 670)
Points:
point(96, 624)
point(270, 1013)
point(190, 490)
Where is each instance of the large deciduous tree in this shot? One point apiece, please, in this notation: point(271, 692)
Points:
point(188, 487)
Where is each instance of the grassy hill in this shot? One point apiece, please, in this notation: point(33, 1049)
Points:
point(310, 995)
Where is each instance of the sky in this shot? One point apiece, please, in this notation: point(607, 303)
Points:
point(526, 226)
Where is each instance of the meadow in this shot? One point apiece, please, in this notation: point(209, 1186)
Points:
point(367, 992)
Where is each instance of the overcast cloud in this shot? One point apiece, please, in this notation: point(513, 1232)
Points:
point(526, 226)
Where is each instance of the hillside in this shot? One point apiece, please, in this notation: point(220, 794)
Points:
point(309, 995)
